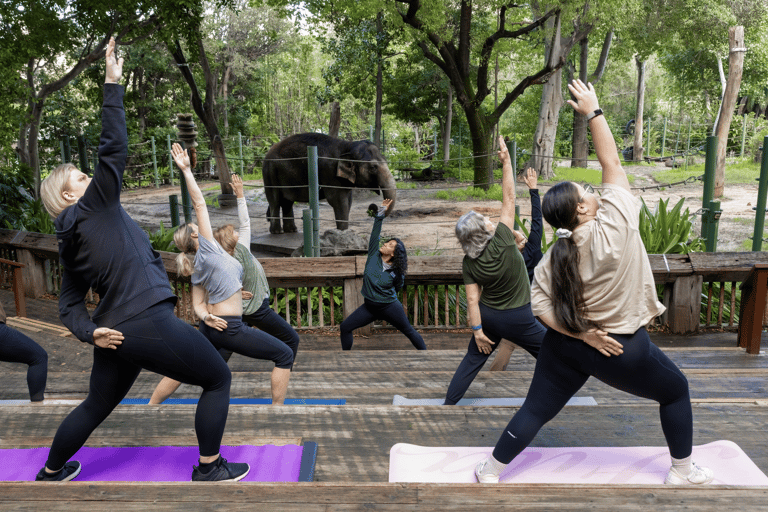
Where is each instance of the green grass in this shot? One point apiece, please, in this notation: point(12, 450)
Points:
point(255, 175)
point(747, 245)
point(405, 185)
point(743, 171)
point(580, 175)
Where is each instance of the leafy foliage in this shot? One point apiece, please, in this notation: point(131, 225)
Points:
point(162, 239)
point(667, 232)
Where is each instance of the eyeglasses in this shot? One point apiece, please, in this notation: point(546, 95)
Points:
point(588, 189)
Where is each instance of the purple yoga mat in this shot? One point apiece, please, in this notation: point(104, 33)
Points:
point(156, 464)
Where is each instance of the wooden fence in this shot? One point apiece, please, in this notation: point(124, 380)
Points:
point(317, 293)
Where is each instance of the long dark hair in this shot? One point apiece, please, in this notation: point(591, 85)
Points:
point(559, 210)
point(399, 261)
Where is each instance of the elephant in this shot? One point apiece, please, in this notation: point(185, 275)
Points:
point(341, 163)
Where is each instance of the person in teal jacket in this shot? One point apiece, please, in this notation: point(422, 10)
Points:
point(384, 276)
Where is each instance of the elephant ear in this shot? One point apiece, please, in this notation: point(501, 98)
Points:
point(346, 170)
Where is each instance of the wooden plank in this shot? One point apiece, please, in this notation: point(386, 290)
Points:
point(726, 266)
point(171, 440)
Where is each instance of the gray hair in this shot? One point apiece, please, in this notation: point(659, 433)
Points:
point(472, 233)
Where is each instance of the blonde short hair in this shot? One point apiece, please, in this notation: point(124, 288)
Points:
point(225, 235)
point(185, 261)
point(53, 187)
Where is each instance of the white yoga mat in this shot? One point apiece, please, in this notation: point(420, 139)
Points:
point(401, 400)
point(579, 465)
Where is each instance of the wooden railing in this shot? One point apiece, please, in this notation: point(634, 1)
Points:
point(318, 292)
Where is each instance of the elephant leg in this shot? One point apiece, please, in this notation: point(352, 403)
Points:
point(289, 223)
point(273, 215)
point(341, 206)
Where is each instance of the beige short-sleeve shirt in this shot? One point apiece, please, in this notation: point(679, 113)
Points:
point(619, 289)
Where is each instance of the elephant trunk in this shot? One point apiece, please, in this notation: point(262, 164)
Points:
point(388, 189)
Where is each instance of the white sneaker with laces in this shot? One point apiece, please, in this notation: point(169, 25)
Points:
point(484, 471)
point(697, 476)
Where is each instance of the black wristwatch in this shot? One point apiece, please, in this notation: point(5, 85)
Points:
point(596, 113)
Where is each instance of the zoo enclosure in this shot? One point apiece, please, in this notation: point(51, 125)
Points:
point(432, 295)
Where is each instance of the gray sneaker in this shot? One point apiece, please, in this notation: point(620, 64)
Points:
point(68, 472)
point(221, 471)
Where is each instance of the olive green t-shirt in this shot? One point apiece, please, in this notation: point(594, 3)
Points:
point(500, 271)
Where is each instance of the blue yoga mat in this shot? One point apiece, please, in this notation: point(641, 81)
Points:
point(243, 401)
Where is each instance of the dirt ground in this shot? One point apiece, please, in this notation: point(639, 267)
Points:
point(425, 224)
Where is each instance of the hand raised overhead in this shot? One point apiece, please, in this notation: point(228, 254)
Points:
point(586, 98)
point(114, 66)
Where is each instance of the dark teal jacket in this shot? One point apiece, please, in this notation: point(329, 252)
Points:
point(379, 285)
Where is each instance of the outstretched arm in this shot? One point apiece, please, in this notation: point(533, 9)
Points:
point(244, 231)
point(104, 190)
point(181, 158)
point(507, 186)
point(605, 146)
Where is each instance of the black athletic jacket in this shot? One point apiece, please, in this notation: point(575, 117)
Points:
point(101, 247)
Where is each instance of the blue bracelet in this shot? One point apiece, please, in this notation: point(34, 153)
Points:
point(477, 327)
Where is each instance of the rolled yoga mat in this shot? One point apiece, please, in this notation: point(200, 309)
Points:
point(579, 465)
point(269, 463)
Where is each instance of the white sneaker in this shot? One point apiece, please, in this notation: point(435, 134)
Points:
point(697, 476)
point(484, 472)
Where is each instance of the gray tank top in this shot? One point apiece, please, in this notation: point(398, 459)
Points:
point(219, 273)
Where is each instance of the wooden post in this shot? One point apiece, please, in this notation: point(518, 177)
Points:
point(34, 284)
point(685, 305)
point(353, 299)
point(754, 293)
point(503, 353)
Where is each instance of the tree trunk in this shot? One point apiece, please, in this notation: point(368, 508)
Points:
point(379, 88)
point(637, 150)
point(416, 139)
point(580, 144)
point(335, 123)
point(447, 132)
point(546, 130)
point(735, 67)
point(206, 113)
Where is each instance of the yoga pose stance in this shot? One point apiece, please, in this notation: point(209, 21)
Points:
point(384, 276)
point(496, 281)
point(530, 248)
point(594, 289)
point(16, 347)
point(133, 326)
point(256, 310)
point(217, 281)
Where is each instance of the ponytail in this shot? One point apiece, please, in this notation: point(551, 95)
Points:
point(185, 265)
point(559, 210)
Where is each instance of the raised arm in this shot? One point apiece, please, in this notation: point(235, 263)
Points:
point(244, 231)
point(104, 190)
point(181, 158)
point(507, 186)
point(605, 146)
point(373, 242)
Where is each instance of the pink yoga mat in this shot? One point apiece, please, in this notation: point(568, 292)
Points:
point(635, 465)
point(156, 464)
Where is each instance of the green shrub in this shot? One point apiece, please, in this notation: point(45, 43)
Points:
point(667, 232)
point(162, 239)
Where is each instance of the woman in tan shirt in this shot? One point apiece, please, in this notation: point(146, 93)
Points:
point(595, 291)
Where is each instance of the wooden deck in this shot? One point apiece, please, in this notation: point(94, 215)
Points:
point(729, 390)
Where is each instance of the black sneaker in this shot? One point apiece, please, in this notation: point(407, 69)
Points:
point(68, 472)
point(221, 471)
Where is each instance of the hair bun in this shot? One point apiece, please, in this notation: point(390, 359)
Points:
point(373, 210)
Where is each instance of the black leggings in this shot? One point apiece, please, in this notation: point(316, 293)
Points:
point(517, 325)
point(565, 364)
point(16, 347)
point(160, 342)
point(266, 319)
point(391, 312)
point(250, 342)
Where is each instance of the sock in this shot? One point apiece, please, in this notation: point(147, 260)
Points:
point(493, 466)
point(206, 467)
point(683, 466)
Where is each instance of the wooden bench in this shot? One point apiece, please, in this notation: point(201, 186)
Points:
point(15, 270)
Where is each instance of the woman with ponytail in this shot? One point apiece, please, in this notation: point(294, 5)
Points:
point(594, 290)
point(383, 278)
point(217, 283)
point(133, 327)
